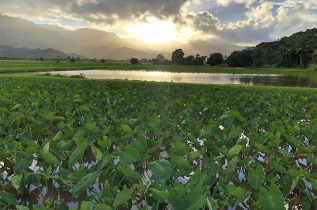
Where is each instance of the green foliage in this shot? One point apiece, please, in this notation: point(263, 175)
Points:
point(215, 59)
point(115, 144)
point(272, 199)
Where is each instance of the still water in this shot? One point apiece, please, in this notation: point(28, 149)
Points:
point(202, 78)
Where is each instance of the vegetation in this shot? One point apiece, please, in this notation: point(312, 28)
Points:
point(178, 59)
point(296, 51)
point(119, 144)
point(134, 61)
point(161, 60)
point(215, 59)
point(241, 58)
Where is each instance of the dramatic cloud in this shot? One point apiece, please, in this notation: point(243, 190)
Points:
point(242, 21)
point(98, 11)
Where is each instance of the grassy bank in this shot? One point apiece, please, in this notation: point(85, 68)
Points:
point(34, 66)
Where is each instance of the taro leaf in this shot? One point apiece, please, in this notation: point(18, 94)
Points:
point(31, 178)
point(49, 158)
point(15, 107)
point(105, 142)
point(123, 196)
point(8, 198)
point(133, 154)
point(77, 154)
point(237, 192)
point(96, 152)
point(234, 150)
point(255, 177)
point(162, 169)
point(197, 182)
point(22, 164)
point(103, 207)
point(84, 183)
point(180, 161)
point(126, 128)
point(194, 155)
point(306, 204)
point(193, 201)
point(18, 207)
point(86, 205)
point(273, 199)
point(58, 136)
point(179, 148)
point(217, 134)
point(15, 181)
point(286, 182)
point(140, 142)
point(128, 171)
point(212, 203)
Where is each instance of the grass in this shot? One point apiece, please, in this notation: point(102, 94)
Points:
point(35, 66)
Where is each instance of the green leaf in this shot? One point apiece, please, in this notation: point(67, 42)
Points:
point(22, 164)
point(128, 172)
point(9, 198)
point(84, 183)
point(77, 154)
point(49, 158)
point(126, 128)
point(162, 169)
point(212, 203)
point(31, 178)
point(255, 177)
point(123, 196)
point(234, 150)
point(273, 199)
point(286, 182)
point(18, 207)
point(86, 205)
point(15, 181)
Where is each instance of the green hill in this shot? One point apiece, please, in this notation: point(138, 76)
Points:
point(12, 52)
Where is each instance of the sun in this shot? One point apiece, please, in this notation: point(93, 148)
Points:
point(154, 31)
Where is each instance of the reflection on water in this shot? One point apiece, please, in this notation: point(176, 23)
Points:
point(203, 78)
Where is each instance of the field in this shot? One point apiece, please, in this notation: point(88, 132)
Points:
point(118, 144)
point(32, 66)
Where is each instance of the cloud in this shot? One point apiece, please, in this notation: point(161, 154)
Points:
point(262, 13)
point(97, 11)
point(260, 25)
point(226, 3)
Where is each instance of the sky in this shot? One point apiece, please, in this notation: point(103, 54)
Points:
point(241, 22)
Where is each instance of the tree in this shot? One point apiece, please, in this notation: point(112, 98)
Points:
point(199, 60)
point(103, 61)
point(134, 61)
point(189, 60)
point(178, 57)
point(72, 59)
point(241, 58)
point(215, 59)
point(160, 60)
point(41, 59)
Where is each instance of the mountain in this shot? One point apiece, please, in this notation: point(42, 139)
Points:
point(90, 43)
point(8, 51)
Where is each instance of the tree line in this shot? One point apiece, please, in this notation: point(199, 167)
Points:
point(296, 51)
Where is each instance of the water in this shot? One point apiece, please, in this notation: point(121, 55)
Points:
point(201, 78)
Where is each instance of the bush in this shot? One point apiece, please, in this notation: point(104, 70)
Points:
point(134, 61)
